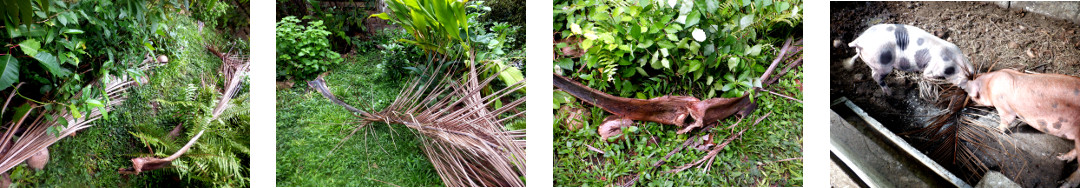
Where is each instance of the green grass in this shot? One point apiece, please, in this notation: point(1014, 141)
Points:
point(748, 161)
point(309, 126)
point(92, 157)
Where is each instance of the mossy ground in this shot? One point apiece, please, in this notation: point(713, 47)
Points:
point(309, 126)
point(755, 159)
point(92, 157)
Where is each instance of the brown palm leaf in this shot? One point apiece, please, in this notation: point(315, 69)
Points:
point(463, 135)
point(36, 136)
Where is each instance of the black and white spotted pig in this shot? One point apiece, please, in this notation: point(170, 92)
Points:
point(907, 48)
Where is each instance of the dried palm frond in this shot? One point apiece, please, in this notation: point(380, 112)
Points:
point(37, 137)
point(463, 134)
point(234, 67)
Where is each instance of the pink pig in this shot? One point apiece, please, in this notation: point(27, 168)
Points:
point(1047, 102)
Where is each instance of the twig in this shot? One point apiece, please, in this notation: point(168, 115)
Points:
point(788, 159)
point(776, 61)
point(716, 150)
point(793, 64)
point(781, 95)
point(391, 184)
point(594, 149)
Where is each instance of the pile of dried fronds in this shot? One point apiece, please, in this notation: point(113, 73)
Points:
point(37, 136)
point(463, 134)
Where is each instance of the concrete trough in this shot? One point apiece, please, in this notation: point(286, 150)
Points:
point(873, 156)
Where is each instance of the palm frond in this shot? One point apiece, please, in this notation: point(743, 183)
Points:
point(463, 134)
point(37, 136)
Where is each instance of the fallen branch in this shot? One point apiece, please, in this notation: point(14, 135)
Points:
point(718, 148)
point(152, 163)
point(778, 94)
point(668, 110)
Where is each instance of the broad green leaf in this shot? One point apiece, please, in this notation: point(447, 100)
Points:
point(732, 62)
point(30, 46)
point(645, 43)
point(510, 74)
point(74, 111)
point(94, 103)
point(10, 75)
point(746, 20)
point(665, 63)
point(665, 44)
point(50, 63)
point(693, 18)
point(575, 28)
point(565, 63)
point(754, 51)
point(694, 65)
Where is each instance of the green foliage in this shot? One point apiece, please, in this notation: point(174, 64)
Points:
point(699, 47)
point(91, 158)
point(303, 52)
point(511, 12)
point(212, 12)
point(436, 25)
point(53, 57)
point(218, 156)
point(406, 57)
point(343, 22)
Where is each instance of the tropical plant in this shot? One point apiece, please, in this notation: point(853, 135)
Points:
point(436, 25)
point(303, 51)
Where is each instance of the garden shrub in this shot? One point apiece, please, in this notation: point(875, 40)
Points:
point(211, 12)
point(510, 12)
point(647, 49)
point(398, 59)
point(303, 51)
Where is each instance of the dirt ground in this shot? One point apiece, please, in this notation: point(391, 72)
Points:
point(993, 38)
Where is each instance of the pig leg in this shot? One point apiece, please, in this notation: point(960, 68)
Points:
point(1073, 179)
point(1068, 156)
point(1007, 118)
point(879, 77)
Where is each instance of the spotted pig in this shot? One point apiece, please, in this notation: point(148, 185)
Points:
point(884, 47)
point(1047, 102)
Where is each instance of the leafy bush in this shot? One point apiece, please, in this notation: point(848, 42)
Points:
point(49, 46)
point(399, 59)
point(211, 12)
point(342, 22)
point(511, 12)
point(652, 48)
point(303, 52)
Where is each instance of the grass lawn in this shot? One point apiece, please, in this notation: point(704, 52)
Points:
point(309, 126)
point(92, 157)
point(755, 159)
